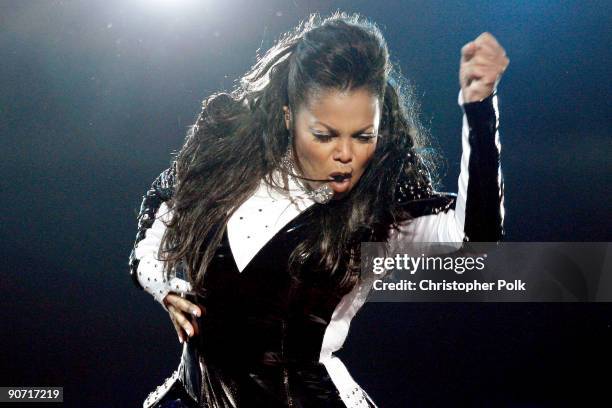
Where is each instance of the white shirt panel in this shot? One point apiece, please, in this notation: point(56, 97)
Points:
point(260, 217)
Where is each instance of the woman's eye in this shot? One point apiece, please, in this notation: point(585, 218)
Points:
point(366, 137)
point(324, 137)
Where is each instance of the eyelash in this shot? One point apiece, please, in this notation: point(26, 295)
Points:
point(365, 137)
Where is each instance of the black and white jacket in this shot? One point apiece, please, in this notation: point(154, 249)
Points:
point(475, 213)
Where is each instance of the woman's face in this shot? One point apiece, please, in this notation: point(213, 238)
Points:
point(335, 134)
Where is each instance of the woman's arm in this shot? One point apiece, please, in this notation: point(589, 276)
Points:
point(476, 213)
point(146, 269)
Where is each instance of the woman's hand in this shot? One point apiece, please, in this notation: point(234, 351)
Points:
point(483, 61)
point(181, 313)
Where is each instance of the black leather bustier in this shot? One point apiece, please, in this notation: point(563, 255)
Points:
point(262, 332)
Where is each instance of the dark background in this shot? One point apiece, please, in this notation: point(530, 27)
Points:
point(95, 95)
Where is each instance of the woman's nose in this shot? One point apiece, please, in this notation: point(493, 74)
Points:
point(344, 150)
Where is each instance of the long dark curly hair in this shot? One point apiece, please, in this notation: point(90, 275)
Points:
point(240, 137)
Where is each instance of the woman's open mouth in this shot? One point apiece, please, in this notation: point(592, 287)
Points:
point(341, 181)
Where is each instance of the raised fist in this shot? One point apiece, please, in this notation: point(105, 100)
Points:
point(483, 61)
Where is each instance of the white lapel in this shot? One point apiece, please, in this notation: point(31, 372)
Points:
point(261, 216)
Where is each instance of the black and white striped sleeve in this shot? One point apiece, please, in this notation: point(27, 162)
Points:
point(476, 213)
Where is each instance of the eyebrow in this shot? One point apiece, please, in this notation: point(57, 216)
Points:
point(331, 129)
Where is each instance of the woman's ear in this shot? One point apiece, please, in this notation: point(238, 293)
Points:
point(287, 117)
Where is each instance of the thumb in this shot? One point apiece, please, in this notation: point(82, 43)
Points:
point(468, 51)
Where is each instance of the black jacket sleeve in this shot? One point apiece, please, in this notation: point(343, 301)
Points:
point(484, 208)
point(476, 212)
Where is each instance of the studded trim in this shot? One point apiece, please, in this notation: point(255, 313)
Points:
point(161, 390)
point(356, 398)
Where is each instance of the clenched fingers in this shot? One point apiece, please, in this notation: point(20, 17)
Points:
point(483, 61)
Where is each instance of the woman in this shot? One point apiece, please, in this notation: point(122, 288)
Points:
point(259, 220)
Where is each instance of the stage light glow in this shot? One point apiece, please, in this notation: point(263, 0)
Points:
point(168, 4)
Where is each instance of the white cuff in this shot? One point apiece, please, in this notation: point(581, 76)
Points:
point(150, 268)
